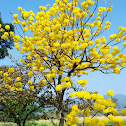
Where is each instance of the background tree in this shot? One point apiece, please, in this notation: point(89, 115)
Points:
point(15, 105)
point(5, 44)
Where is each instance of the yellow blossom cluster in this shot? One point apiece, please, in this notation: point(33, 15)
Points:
point(95, 121)
point(101, 105)
point(123, 112)
point(71, 119)
point(117, 121)
point(110, 93)
point(82, 82)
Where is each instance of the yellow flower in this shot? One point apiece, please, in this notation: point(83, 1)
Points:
point(117, 39)
point(87, 120)
point(6, 34)
point(15, 16)
point(82, 111)
point(108, 22)
point(73, 95)
point(30, 82)
point(68, 84)
point(81, 22)
point(20, 89)
point(25, 29)
point(75, 108)
point(100, 124)
point(24, 24)
point(2, 30)
point(18, 78)
point(110, 93)
point(83, 46)
point(11, 70)
point(47, 5)
point(1, 72)
point(95, 92)
point(30, 73)
point(44, 8)
point(108, 9)
point(18, 84)
point(91, 14)
point(19, 8)
point(34, 68)
point(97, 46)
point(7, 86)
point(82, 82)
point(7, 27)
point(117, 70)
point(114, 112)
point(58, 87)
point(98, 18)
point(13, 88)
point(111, 117)
point(97, 41)
point(40, 7)
point(123, 112)
point(31, 88)
point(11, 34)
point(5, 74)
point(41, 69)
point(124, 44)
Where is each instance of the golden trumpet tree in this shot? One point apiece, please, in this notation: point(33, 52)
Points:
point(67, 40)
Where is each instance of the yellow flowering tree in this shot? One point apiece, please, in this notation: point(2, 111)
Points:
point(67, 41)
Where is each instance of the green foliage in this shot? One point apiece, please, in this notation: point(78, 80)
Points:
point(33, 115)
point(12, 110)
point(4, 45)
point(29, 108)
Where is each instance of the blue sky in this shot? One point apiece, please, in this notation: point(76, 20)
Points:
point(97, 80)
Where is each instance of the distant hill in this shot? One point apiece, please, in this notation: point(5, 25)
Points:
point(121, 100)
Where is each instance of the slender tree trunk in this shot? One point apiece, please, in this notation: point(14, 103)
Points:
point(18, 122)
point(112, 123)
point(24, 123)
point(61, 123)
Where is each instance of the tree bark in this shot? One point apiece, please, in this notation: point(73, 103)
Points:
point(18, 122)
point(61, 123)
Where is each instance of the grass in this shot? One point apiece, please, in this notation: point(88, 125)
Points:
point(31, 123)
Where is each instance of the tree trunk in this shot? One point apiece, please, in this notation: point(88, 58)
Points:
point(112, 123)
point(61, 123)
point(19, 124)
point(18, 121)
point(24, 123)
